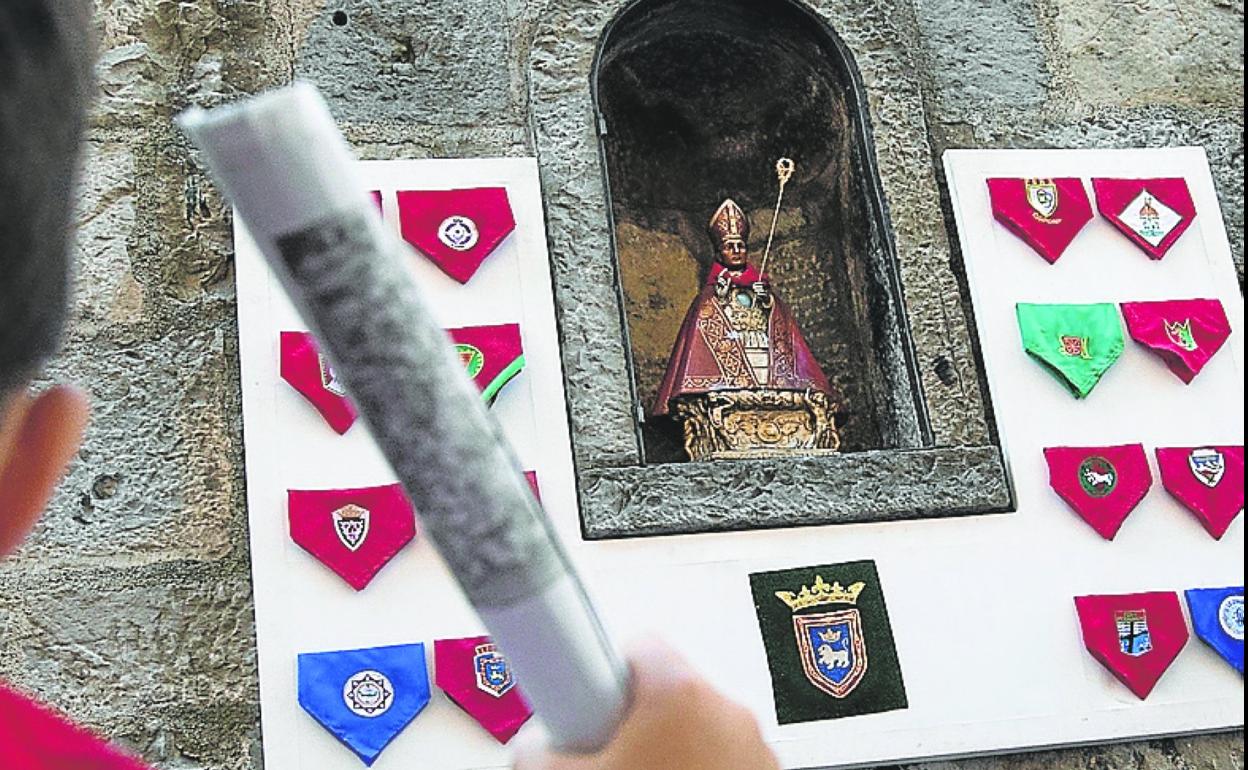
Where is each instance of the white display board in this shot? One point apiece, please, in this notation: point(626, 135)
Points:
point(981, 607)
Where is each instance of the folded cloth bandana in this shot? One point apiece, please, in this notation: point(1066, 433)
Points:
point(309, 372)
point(1153, 213)
point(475, 675)
point(1046, 213)
point(354, 532)
point(33, 737)
point(1077, 344)
point(365, 697)
point(1135, 636)
point(1186, 333)
point(492, 355)
point(1102, 484)
point(1209, 481)
point(1218, 617)
point(456, 229)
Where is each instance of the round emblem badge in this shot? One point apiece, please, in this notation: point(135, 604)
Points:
point(458, 232)
point(1231, 616)
point(1098, 476)
point(472, 358)
point(368, 694)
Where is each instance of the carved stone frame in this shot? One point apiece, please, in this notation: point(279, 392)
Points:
point(957, 469)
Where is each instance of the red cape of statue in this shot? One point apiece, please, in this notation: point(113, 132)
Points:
point(705, 359)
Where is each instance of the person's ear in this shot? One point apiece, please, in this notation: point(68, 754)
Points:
point(39, 436)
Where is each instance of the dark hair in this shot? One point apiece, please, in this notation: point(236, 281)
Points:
point(44, 85)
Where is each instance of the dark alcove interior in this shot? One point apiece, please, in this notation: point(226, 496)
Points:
point(697, 101)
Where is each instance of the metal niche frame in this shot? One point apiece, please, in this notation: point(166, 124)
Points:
point(951, 462)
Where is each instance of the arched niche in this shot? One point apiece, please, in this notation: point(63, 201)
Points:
point(696, 99)
point(940, 455)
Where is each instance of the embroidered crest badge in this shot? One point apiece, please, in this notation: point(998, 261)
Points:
point(1231, 616)
point(456, 229)
point(1042, 196)
point(1152, 213)
point(351, 524)
point(310, 374)
point(1218, 619)
point(1208, 466)
point(1208, 481)
point(834, 652)
point(1180, 333)
point(368, 694)
point(1135, 636)
point(1101, 484)
point(476, 675)
point(1076, 347)
point(492, 355)
point(1098, 476)
point(367, 697)
point(354, 532)
point(1046, 214)
point(459, 233)
point(1185, 346)
point(493, 673)
point(829, 646)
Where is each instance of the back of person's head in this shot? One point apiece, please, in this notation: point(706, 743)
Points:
point(44, 86)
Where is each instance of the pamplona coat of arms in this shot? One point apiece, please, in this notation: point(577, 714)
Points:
point(832, 644)
point(829, 644)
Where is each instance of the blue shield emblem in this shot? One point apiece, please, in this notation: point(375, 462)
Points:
point(365, 697)
point(833, 650)
point(493, 673)
point(1208, 466)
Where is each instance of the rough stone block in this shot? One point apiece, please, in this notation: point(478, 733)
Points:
point(425, 63)
point(983, 57)
point(1152, 52)
point(161, 657)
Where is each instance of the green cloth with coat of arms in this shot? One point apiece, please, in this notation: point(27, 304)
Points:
point(828, 641)
point(1077, 344)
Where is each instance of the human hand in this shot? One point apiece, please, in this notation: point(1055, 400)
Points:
point(677, 722)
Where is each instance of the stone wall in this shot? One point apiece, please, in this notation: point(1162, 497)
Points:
point(131, 607)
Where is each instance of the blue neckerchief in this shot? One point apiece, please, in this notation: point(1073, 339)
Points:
point(1218, 617)
point(365, 697)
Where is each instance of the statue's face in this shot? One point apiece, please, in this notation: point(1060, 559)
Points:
point(733, 254)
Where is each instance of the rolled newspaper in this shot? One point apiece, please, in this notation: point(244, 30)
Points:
point(291, 177)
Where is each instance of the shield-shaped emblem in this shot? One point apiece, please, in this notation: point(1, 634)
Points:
point(1042, 197)
point(351, 523)
point(493, 673)
point(1180, 333)
point(1134, 638)
point(1208, 465)
point(833, 650)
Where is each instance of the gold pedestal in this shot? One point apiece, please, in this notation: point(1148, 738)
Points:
point(741, 424)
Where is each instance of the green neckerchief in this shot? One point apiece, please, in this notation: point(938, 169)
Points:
point(1077, 344)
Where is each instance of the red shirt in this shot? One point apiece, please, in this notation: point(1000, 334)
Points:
point(33, 737)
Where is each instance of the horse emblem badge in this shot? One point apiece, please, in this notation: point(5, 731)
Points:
point(1208, 466)
point(832, 645)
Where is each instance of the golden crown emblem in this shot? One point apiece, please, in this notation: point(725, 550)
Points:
point(821, 593)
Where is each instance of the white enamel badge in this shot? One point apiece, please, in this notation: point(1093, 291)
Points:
point(1042, 196)
point(1150, 219)
point(459, 233)
point(368, 694)
point(1208, 466)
